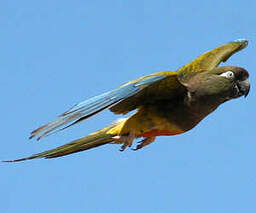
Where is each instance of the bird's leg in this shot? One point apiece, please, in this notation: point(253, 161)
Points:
point(145, 142)
point(126, 140)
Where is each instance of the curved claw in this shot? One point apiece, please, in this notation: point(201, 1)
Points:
point(144, 142)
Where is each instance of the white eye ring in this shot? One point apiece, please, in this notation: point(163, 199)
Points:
point(228, 74)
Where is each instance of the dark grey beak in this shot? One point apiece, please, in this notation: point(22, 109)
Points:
point(244, 87)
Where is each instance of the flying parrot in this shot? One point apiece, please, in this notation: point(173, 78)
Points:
point(166, 103)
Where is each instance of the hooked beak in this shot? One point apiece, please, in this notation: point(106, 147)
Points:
point(244, 87)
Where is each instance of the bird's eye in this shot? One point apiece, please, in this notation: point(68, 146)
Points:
point(228, 74)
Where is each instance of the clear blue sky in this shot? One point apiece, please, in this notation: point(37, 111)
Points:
point(57, 53)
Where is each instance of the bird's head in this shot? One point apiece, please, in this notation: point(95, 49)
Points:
point(219, 84)
point(232, 82)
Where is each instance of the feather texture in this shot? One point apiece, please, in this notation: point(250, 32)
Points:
point(94, 105)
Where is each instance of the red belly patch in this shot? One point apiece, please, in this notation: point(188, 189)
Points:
point(154, 133)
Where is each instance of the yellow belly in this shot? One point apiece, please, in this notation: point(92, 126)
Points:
point(146, 123)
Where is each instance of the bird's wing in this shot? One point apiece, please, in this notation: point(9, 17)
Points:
point(167, 88)
point(170, 87)
point(213, 58)
point(94, 105)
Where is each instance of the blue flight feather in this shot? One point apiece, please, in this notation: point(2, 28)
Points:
point(94, 105)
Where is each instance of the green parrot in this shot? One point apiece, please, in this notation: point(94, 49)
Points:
point(166, 103)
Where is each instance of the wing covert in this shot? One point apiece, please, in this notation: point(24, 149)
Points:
point(165, 89)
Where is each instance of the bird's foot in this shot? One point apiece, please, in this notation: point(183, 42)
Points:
point(144, 142)
point(126, 140)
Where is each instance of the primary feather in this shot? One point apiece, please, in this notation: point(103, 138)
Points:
point(94, 105)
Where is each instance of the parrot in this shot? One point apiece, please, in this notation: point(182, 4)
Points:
point(165, 103)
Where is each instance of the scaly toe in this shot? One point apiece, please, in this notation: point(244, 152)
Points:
point(126, 140)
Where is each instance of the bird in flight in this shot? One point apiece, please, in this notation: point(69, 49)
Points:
point(166, 103)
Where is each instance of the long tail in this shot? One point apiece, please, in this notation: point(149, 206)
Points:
point(95, 139)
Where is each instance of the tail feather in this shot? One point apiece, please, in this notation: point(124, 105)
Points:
point(93, 140)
